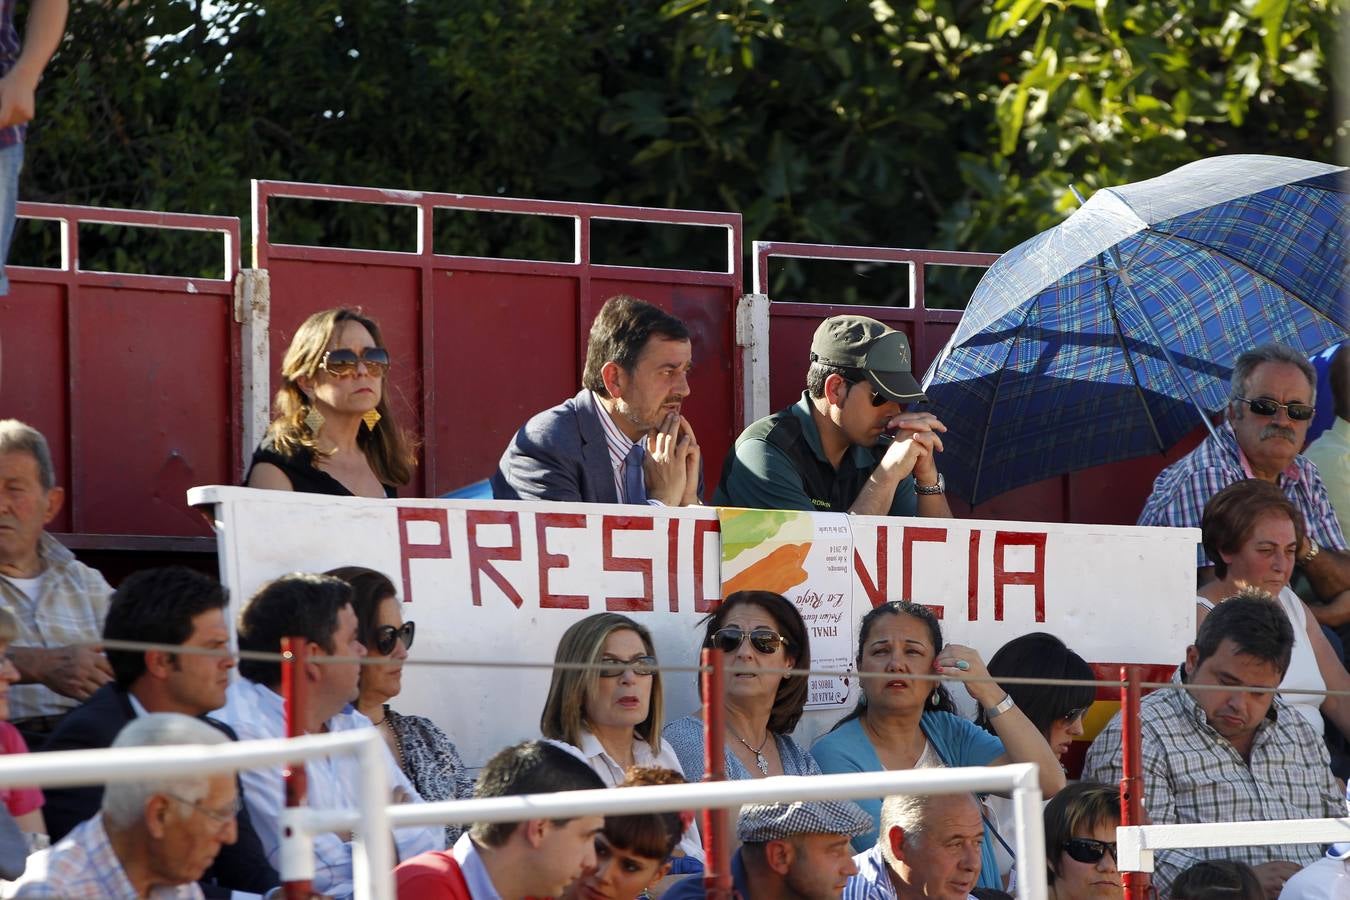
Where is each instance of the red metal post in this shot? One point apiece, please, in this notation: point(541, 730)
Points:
point(716, 822)
point(293, 690)
point(1131, 780)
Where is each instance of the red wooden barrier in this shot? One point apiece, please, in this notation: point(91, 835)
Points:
point(134, 380)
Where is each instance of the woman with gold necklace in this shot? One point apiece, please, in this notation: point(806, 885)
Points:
point(757, 632)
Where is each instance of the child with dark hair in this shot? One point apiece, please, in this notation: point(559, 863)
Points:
point(632, 853)
point(1218, 879)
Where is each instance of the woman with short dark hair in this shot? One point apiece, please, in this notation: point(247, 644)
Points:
point(1080, 843)
point(754, 630)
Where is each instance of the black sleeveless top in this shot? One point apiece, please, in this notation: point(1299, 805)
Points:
point(305, 477)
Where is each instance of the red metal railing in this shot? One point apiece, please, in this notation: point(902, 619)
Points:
point(134, 379)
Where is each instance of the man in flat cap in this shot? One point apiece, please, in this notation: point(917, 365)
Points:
point(845, 446)
point(790, 851)
point(928, 849)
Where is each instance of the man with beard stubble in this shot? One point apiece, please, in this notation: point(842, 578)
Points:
point(621, 439)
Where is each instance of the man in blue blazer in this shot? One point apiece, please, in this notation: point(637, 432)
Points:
point(171, 605)
point(621, 439)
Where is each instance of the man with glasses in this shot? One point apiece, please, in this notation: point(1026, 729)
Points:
point(1274, 389)
point(1225, 754)
point(845, 446)
point(929, 846)
point(151, 838)
point(170, 605)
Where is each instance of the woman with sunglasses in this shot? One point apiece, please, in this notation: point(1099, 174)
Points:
point(609, 707)
point(1252, 532)
point(1080, 843)
point(756, 631)
point(1056, 710)
point(423, 751)
point(333, 432)
point(905, 723)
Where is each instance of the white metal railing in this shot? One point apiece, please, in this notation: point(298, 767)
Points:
point(372, 855)
point(1021, 778)
point(1137, 843)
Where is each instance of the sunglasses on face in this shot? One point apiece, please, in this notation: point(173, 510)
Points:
point(1299, 412)
point(729, 639)
point(1074, 714)
point(878, 399)
point(341, 363)
point(387, 635)
point(1087, 850)
point(611, 667)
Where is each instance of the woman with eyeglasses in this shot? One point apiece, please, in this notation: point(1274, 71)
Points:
point(1252, 532)
point(1056, 710)
point(333, 431)
point(905, 723)
point(609, 707)
point(1080, 843)
point(756, 631)
point(424, 752)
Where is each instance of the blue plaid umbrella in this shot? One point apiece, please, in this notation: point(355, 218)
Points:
point(1111, 335)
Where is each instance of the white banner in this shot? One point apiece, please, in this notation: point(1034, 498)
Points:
point(500, 581)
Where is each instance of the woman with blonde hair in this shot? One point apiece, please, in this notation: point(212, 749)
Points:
point(611, 709)
point(333, 431)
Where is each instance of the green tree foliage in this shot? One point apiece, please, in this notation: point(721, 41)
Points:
point(929, 123)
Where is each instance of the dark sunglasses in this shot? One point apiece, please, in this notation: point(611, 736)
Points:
point(1299, 412)
point(641, 665)
point(878, 399)
point(1074, 714)
point(341, 363)
point(729, 640)
point(1087, 850)
point(386, 635)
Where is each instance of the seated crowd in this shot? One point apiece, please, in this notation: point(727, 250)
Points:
point(1218, 753)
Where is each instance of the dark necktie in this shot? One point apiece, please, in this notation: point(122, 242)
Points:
point(634, 490)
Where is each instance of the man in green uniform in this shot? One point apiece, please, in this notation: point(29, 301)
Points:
point(845, 446)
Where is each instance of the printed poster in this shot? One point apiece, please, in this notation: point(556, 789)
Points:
point(806, 557)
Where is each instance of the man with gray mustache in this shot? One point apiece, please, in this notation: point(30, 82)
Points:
point(1274, 389)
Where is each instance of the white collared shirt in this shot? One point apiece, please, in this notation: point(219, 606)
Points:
point(474, 871)
point(255, 711)
point(612, 774)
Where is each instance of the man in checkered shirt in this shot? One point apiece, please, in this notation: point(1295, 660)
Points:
point(1274, 389)
point(1228, 755)
point(60, 602)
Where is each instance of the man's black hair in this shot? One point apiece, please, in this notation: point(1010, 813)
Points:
point(156, 606)
point(295, 605)
point(1254, 623)
point(619, 333)
point(532, 767)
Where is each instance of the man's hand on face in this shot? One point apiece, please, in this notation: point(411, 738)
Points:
point(692, 460)
point(666, 465)
point(1273, 875)
point(912, 454)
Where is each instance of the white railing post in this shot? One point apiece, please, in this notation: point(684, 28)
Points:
point(253, 312)
point(372, 857)
point(752, 339)
point(1029, 840)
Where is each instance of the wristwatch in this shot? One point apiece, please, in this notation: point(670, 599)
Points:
point(1308, 557)
point(939, 488)
point(993, 712)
